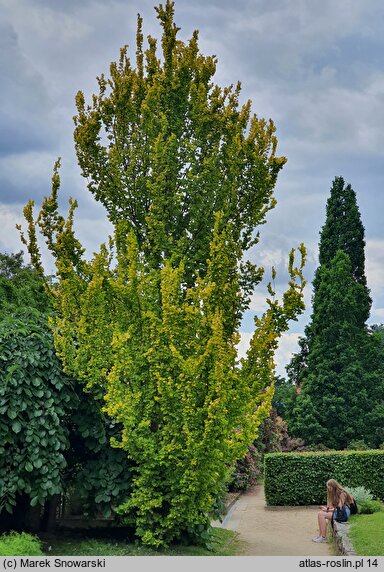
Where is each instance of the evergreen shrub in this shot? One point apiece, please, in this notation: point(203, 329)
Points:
point(299, 478)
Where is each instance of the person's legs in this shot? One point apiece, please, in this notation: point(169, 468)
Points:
point(322, 518)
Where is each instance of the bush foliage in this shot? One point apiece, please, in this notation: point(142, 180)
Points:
point(300, 478)
point(371, 506)
point(23, 544)
point(246, 471)
point(34, 398)
point(53, 436)
point(365, 502)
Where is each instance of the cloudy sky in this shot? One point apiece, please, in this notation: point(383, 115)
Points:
point(315, 68)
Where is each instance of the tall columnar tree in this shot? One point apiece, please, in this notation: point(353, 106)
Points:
point(151, 322)
point(336, 371)
point(343, 230)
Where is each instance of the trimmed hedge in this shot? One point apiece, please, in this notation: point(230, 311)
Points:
point(299, 478)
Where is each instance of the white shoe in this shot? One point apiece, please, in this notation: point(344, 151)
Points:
point(319, 539)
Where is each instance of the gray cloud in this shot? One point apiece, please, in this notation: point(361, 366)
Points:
point(25, 105)
point(314, 67)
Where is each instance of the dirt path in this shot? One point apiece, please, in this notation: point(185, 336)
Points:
point(273, 531)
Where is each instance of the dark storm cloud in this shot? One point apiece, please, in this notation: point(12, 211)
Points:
point(10, 193)
point(24, 102)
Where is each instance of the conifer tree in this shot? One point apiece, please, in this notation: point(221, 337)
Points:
point(335, 378)
point(343, 230)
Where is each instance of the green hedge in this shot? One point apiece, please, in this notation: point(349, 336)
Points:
point(299, 478)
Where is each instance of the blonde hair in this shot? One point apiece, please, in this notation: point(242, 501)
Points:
point(336, 493)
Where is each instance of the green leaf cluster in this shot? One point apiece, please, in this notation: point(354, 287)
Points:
point(365, 501)
point(98, 476)
point(169, 371)
point(34, 398)
point(20, 544)
point(20, 285)
point(53, 437)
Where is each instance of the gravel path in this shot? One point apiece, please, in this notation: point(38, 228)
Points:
point(275, 531)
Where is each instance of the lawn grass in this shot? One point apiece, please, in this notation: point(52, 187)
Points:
point(367, 534)
point(224, 543)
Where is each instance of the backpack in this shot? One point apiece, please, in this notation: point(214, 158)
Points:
point(340, 514)
point(353, 507)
